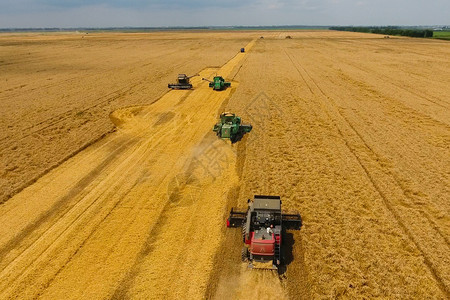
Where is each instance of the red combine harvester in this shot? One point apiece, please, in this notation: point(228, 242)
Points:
point(263, 225)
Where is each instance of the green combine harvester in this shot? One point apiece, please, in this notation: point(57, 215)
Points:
point(230, 127)
point(218, 83)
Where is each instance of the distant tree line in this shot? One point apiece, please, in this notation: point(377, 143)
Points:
point(389, 30)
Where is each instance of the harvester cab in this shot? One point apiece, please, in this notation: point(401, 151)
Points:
point(263, 225)
point(230, 127)
point(182, 82)
point(218, 83)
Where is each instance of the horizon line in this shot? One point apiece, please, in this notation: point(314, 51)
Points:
point(207, 27)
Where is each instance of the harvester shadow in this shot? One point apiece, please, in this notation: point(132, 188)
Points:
point(238, 137)
point(286, 254)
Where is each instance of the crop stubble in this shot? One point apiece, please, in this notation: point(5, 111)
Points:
point(57, 91)
point(351, 130)
point(361, 150)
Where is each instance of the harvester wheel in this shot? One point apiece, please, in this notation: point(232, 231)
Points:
point(244, 254)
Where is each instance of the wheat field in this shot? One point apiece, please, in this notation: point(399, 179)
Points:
point(115, 187)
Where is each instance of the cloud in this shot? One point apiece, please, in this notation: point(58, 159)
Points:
point(137, 4)
point(121, 13)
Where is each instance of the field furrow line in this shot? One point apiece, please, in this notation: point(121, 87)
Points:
point(154, 232)
point(392, 82)
point(196, 116)
point(69, 113)
point(103, 100)
point(77, 189)
point(438, 276)
point(103, 197)
point(60, 205)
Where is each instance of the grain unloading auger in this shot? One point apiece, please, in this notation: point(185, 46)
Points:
point(182, 82)
point(263, 225)
point(230, 127)
point(218, 83)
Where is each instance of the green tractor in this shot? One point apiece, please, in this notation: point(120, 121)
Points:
point(218, 83)
point(230, 127)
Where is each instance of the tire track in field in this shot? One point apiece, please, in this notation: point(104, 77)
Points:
point(386, 172)
point(232, 279)
point(389, 81)
point(407, 195)
point(60, 205)
point(427, 121)
point(49, 282)
point(76, 190)
point(109, 211)
point(223, 258)
point(48, 170)
point(137, 64)
point(427, 260)
point(399, 87)
point(63, 264)
point(156, 233)
point(23, 165)
point(110, 97)
point(45, 86)
point(140, 150)
point(392, 82)
point(122, 291)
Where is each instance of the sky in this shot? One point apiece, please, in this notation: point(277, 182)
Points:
point(155, 13)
